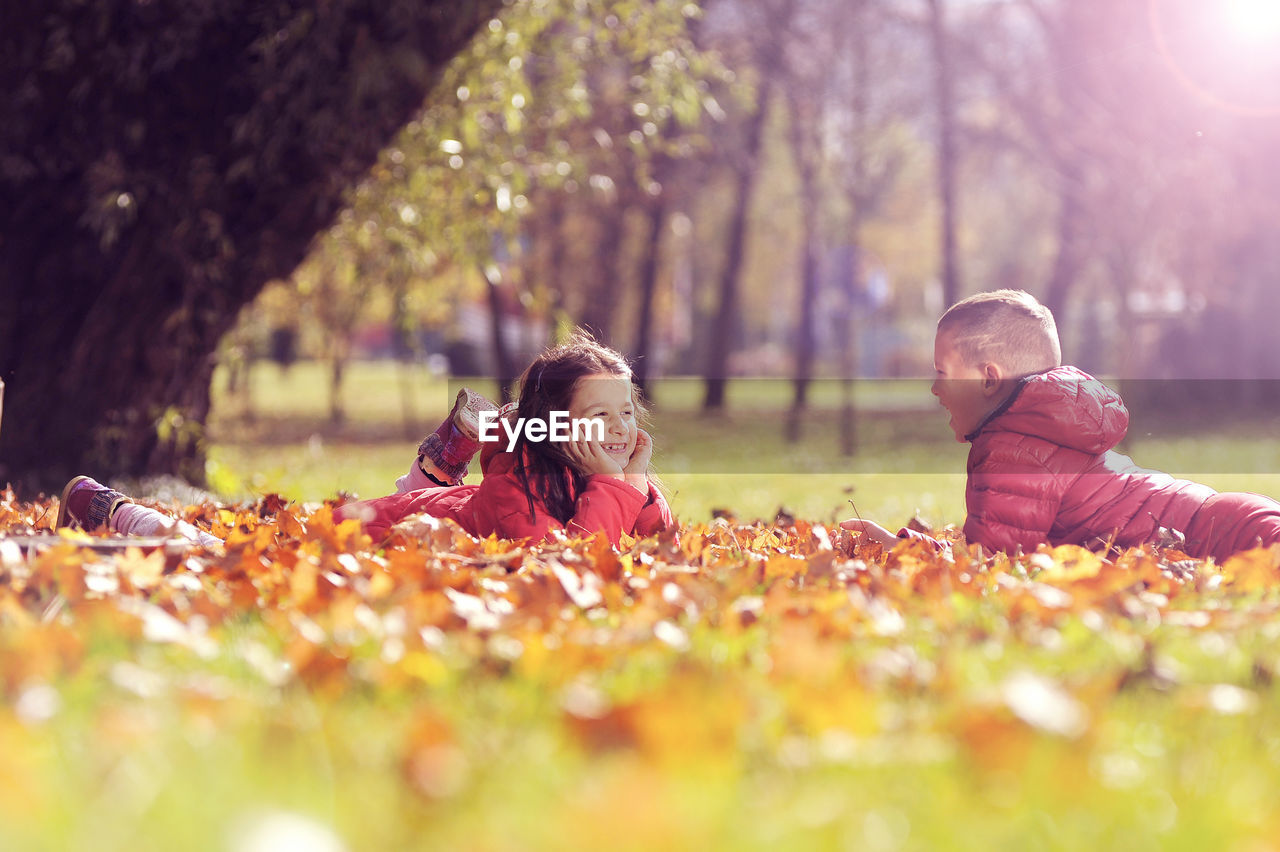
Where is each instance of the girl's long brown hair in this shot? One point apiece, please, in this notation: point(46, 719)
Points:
point(544, 469)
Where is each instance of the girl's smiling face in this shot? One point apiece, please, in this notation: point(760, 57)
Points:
point(608, 397)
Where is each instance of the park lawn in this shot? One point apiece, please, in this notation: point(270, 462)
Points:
point(737, 462)
point(906, 462)
point(735, 685)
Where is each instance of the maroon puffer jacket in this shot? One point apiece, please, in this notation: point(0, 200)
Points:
point(1042, 468)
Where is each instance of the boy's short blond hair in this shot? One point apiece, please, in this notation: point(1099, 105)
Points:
point(1005, 327)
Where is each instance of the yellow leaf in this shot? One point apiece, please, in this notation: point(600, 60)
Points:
point(303, 582)
point(289, 524)
point(1070, 564)
point(1253, 569)
point(143, 571)
point(784, 567)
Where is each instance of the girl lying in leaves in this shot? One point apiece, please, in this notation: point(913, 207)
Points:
point(582, 486)
point(533, 486)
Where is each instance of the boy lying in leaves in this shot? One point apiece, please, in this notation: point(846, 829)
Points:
point(1041, 466)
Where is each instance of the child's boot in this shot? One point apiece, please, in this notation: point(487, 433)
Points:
point(443, 455)
point(91, 505)
point(88, 504)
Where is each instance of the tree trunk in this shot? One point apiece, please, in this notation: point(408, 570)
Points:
point(848, 279)
point(726, 319)
point(805, 150)
point(162, 162)
point(1066, 263)
point(858, 185)
point(337, 369)
point(602, 293)
point(548, 233)
point(945, 95)
point(503, 362)
point(408, 409)
point(805, 332)
point(408, 352)
point(116, 391)
point(648, 292)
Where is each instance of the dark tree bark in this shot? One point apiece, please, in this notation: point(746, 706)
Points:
point(767, 37)
point(850, 282)
point(806, 149)
point(504, 364)
point(605, 291)
point(657, 211)
point(159, 163)
point(337, 371)
point(866, 188)
point(726, 318)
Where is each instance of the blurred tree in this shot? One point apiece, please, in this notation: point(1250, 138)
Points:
point(1091, 115)
point(808, 96)
point(504, 362)
point(763, 37)
point(656, 210)
point(160, 162)
point(947, 157)
point(330, 285)
point(876, 108)
point(848, 152)
point(527, 169)
point(1126, 143)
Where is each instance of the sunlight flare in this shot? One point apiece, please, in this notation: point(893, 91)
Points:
point(1253, 20)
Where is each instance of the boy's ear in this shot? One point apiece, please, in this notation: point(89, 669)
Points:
point(992, 378)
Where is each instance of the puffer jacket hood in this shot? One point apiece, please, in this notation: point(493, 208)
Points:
point(1064, 406)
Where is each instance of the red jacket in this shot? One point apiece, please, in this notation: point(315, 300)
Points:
point(498, 505)
point(1042, 469)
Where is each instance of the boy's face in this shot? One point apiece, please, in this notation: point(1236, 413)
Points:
point(966, 392)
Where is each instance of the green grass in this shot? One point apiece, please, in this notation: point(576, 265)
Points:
point(905, 461)
point(737, 461)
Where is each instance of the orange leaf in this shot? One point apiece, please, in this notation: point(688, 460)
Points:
point(1253, 569)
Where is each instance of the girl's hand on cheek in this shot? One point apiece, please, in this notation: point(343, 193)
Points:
point(637, 470)
point(641, 455)
point(592, 459)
